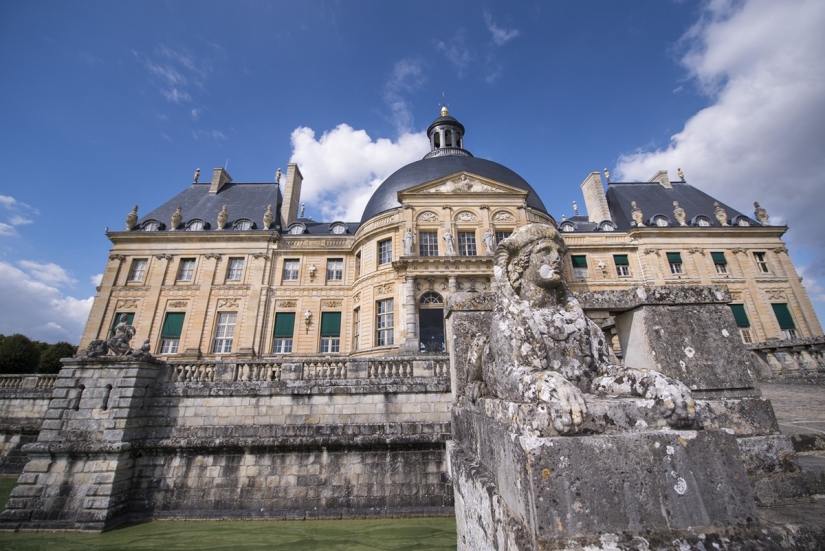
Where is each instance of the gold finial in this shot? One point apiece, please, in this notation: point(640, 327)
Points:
point(607, 174)
point(444, 112)
point(303, 209)
point(197, 175)
point(681, 174)
point(444, 104)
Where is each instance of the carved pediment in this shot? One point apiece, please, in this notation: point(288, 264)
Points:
point(461, 182)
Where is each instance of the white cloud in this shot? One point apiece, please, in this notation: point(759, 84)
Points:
point(39, 310)
point(47, 272)
point(500, 36)
point(195, 114)
point(7, 201)
point(17, 220)
point(208, 135)
point(7, 230)
point(96, 279)
point(457, 51)
point(176, 96)
point(343, 167)
point(760, 61)
point(407, 76)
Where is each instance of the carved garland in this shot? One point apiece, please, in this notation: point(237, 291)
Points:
point(127, 304)
point(427, 217)
point(287, 304)
point(384, 289)
point(331, 304)
point(178, 304)
point(227, 303)
point(503, 216)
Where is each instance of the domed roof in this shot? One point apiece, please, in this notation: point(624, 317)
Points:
point(427, 170)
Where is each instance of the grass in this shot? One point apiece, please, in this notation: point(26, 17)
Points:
point(344, 535)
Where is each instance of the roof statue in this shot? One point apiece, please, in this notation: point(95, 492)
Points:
point(720, 214)
point(542, 348)
point(607, 174)
point(760, 213)
point(681, 174)
point(278, 176)
point(268, 216)
point(197, 175)
point(679, 213)
point(132, 218)
point(177, 218)
point(575, 209)
point(223, 216)
point(637, 215)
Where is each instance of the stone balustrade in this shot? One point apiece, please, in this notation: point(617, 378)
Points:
point(308, 368)
point(791, 358)
point(27, 381)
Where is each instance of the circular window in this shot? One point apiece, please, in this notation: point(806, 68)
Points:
point(743, 222)
point(297, 229)
point(338, 229)
point(702, 222)
point(660, 221)
point(243, 225)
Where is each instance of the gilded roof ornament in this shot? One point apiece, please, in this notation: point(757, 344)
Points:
point(278, 176)
point(444, 111)
point(681, 174)
point(760, 213)
point(132, 218)
point(607, 174)
point(197, 175)
point(223, 216)
point(303, 209)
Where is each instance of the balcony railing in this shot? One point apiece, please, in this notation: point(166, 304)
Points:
point(791, 358)
point(27, 382)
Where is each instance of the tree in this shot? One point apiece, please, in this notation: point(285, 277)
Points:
point(50, 359)
point(18, 354)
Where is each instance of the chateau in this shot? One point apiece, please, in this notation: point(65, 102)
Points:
point(228, 271)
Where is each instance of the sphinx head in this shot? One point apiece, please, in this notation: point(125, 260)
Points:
point(532, 255)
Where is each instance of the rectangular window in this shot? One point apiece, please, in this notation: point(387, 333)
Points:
point(720, 262)
point(467, 243)
point(356, 327)
point(579, 265)
point(761, 263)
point(385, 251)
point(502, 235)
point(622, 265)
point(358, 264)
point(742, 321)
point(170, 333)
point(330, 332)
point(675, 262)
point(786, 324)
point(235, 270)
point(138, 269)
point(224, 333)
point(291, 270)
point(186, 270)
point(284, 329)
point(335, 269)
point(428, 243)
point(384, 322)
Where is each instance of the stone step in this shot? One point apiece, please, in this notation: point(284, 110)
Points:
point(808, 442)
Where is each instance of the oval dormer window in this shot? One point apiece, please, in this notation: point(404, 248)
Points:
point(607, 226)
point(660, 221)
point(194, 225)
point(296, 229)
point(702, 221)
point(338, 229)
point(743, 222)
point(151, 225)
point(566, 227)
point(243, 225)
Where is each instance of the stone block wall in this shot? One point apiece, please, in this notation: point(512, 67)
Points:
point(24, 400)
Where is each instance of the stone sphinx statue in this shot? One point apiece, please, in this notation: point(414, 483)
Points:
point(541, 348)
point(119, 344)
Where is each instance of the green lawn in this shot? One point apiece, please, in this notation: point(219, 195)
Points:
point(349, 535)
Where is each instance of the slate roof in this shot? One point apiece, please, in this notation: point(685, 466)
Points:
point(322, 228)
point(426, 170)
point(242, 201)
point(653, 198)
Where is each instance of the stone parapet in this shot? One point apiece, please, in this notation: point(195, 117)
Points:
point(791, 359)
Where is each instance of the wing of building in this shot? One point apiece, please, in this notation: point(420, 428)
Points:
point(228, 270)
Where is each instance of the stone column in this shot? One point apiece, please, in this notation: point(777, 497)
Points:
point(411, 342)
point(452, 284)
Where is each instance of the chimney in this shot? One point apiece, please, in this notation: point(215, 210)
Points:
point(594, 199)
point(292, 195)
point(219, 179)
point(662, 178)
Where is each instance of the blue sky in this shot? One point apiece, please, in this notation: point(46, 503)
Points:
point(110, 104)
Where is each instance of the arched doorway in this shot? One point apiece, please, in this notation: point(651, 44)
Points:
point(431, 322)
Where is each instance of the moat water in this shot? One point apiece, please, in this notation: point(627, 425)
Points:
point(351, 535)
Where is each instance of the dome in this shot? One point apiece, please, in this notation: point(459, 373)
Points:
point(427, 170)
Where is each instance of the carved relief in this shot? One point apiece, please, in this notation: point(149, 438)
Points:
point(163, 256)
point(178, 304)
point(427, 217)
point(780, 250)
point(384, 289)
point(651, 251)
point(118, 257)
point(228, 303)
point(464, 185)
point(356, 297)
point(216, 256)
point(259, 255)
point(736, 296)
point(287, 304)
point(126, 304)
point(465, 216)
point(331, 303)
point(503, 216)
point(775, 294)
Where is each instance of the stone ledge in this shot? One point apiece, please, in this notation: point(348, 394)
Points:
point(412, 385)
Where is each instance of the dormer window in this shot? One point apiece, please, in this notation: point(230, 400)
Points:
point(567, 227)
point(742, 221)
point(338, 228)
point(661, 221)
point(702, 221)
point(195, 225)
point(151, 225)
point(243, 224)
point(607, 226)
point(296, 229)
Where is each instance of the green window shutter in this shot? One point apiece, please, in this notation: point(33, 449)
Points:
point(620, 260)
point(284, 325)
point(130, 317)
point(740, 315)
point(783, 316)
point(172, 325)
point(579, 261)
point(674, 258)
point(330, 324)
point(718, 258)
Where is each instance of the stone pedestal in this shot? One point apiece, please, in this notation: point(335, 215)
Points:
point(80, 470)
